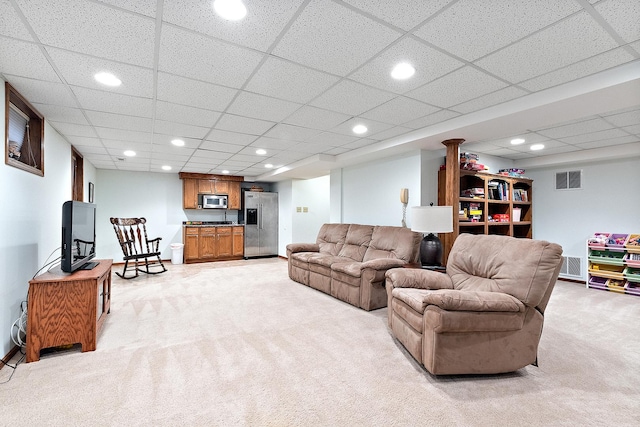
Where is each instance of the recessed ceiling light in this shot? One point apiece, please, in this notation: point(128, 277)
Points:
point(225, 172)
point(129, 153)
point(402, 71)
point(261, 152)
point(359, 129)
point(268, 166)
point(232, 10)
point(536, 147)
point(177, 142)
point(166, 168)
point(517, 141)
point(107, 79)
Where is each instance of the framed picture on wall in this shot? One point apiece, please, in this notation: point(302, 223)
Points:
point(91, 192)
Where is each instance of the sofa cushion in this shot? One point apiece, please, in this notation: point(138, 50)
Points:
point(356, 242)
point(393, 242)
point(331, 238)
point(519, 267)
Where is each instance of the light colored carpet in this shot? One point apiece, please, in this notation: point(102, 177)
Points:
point(238, 343)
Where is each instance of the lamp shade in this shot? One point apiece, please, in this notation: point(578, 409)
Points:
point(432, 219)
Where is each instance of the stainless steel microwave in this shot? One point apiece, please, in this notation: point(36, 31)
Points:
point(214, 201)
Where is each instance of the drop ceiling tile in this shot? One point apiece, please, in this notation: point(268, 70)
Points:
point(179, 130)
point(184, 114)
point(117, 149)
point(595, 136)
point(548, 144)
point(163, 143)
point(577, 128)
point(247, 158)
point(155, 156)
point(316, 118)
point(530, 138)
point(123, 135)
point(231, 137)
point(634, 130)
point(285, 80)
point(180, 90)
point(336, 151)
point(79, 70)
point(405, 14)
point(206, 155)
point(364, 142)
point(86, 150)
point(330, 139)
point(11, 24)
point(233, 123)
point(258, 30)
point(459, 86)
point(555, 150)
point(202, 58)
point(610, 142)
point(330, 37)
point(399, 110)
point(270, 144)
point(237, 164)
point(70, 129)
point(481, 27)
point(57, 113)
point(119, 121)
point(196, 168)
point(495, 98)
point(144, 7)
point(41, 92)
point(291, 133)
point(583, 68)
point(533, 56)
point(93, 141)
point(431, 119)
point(390, 133)
point(428, 63)
point(102, 164)
point(628, 118)
point(93, 29)
point(221, 147)
point(346, 128)
point(109, 102)
point(262, 107)
point(623, 16)
point(351, 98)
point(32, 64)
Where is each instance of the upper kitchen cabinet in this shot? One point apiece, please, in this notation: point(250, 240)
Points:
point(198, 183)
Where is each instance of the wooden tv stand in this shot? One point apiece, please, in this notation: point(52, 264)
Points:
point(65, 308)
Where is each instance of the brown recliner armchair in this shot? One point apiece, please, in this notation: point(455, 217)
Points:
point(485, 314)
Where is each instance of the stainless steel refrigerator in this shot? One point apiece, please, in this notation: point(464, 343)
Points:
point(261, 224)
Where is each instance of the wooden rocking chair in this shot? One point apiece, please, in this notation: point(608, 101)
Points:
point(132, 236)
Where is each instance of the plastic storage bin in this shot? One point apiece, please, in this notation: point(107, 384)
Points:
point(177, 252)
point(598, 240)
point(633, 243)
point(616, 242)
point(598, 282)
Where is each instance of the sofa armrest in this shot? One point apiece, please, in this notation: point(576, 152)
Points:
point(302, 247)
point(455, 300)
point(417, 278)
point(383, 263)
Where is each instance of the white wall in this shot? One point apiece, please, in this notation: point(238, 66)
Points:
point(314, 195)
point(285, 215)
point(155, 196)
point(31, 223)
point(371, 191)
point(607, 202)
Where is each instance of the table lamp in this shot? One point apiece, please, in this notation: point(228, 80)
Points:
point(430, 220)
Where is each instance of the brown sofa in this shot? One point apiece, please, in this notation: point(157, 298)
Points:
point(349, 261)
point(485, 314)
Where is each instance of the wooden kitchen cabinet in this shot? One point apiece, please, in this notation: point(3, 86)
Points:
point(197, 183)
point(213, 243)
point(189, 193)
point(238, 241)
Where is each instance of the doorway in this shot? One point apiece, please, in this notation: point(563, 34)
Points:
point(77, 174)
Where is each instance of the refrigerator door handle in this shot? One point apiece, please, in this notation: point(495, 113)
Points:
point(261, 219)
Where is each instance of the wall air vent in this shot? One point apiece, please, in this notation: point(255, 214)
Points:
point(570, 180)
point(571, 267)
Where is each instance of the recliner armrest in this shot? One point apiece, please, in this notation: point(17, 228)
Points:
point(417, 278)
point(383, 263)
point(302, 247)
point(456, 300)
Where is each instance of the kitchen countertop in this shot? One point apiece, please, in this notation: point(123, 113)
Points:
point(209, 223)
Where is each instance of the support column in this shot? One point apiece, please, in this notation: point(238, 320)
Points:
point(451, 193)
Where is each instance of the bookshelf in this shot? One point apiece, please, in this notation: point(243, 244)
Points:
point(489, 202)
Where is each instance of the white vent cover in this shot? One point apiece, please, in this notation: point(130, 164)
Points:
point(569, 180)
point(571, 267)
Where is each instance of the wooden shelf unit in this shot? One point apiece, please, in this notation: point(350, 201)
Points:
point(490, 207)
point(65, 309)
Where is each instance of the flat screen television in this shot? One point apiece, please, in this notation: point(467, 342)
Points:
point(78, 236)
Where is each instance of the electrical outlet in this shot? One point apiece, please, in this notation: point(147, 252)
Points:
point(305, 209)
point(298, 209)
